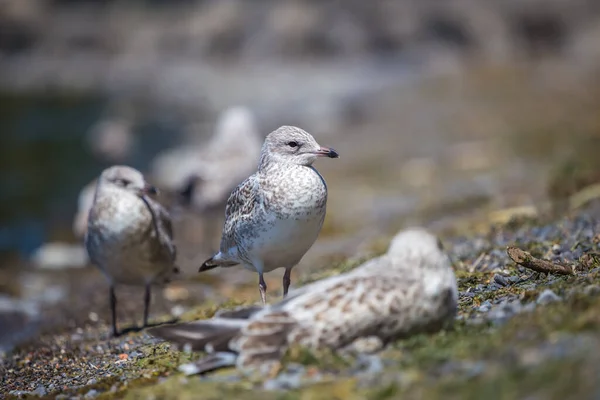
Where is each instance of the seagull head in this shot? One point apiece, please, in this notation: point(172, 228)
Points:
point(294, 145)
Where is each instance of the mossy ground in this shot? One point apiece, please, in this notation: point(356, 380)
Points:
point(548, 352)
point(465, 362)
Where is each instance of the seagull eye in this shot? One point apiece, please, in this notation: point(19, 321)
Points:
point(293, 144)
point(123, 182)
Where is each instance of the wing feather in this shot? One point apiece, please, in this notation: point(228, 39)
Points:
point(241, 206)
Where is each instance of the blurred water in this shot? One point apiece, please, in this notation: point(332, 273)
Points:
point(45, 161)
point(42, 139)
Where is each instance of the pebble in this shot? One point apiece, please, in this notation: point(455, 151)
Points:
point(485, 306)
point(547, 297)
point(135, 354)
point(91, 394)
point(40, 391)
point(502, 312)
point(500, 280)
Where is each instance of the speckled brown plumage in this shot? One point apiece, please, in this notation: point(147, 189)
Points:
point(275, 215)
point(411, 289)
point(129, 236)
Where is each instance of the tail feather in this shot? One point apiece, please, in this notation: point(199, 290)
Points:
point(208, 265)
point(231, 338)
point(213, 335)
point(244, 312)
point(213, 362)
point(215, 262)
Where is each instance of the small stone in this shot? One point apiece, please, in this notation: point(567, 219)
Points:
point(93, 317)
point(92, 381)
point(40, 391)
point(485, 306)
point(504, 311)
point(135, 354)
point(547, 297)
point(19, 393)
point(500, 280)
point(493, 287)
point(91, 394)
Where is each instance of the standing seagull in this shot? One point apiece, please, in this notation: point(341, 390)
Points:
point(275, 215)
point(129, 236)
point(410, 290)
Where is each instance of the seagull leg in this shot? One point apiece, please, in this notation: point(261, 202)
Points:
point(113, 309)
point(262, 286)
point(286, 281)
point(147, 297)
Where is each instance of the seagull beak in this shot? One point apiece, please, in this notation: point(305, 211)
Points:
point(327, 152)
point(149, 189)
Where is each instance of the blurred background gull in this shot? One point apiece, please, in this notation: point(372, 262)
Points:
point(440, 110)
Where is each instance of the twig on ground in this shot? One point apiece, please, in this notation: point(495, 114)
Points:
point(526, 260)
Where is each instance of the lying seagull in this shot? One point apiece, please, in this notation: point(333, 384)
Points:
point(275, 216)
point(409, 290)
point(129, 236)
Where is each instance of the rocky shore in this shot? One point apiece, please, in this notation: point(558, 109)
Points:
point(518, 334)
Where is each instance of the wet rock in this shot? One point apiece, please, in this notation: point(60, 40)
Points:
point(547, 297)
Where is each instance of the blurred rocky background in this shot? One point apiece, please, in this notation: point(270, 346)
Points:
point(443, 112)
